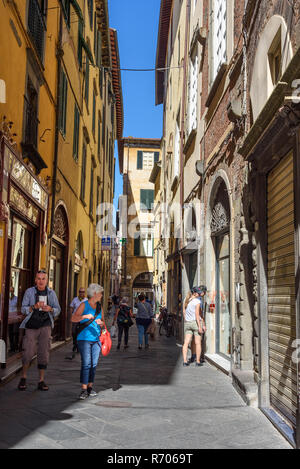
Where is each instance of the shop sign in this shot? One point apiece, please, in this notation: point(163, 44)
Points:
point(24, 206)
point(26, 180)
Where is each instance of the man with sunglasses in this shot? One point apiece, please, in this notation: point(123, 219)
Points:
point(40, 306)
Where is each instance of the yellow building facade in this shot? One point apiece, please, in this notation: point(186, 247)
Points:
point(137, 158)
point(59, 120)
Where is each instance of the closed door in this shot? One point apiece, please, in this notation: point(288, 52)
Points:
point(281, 288)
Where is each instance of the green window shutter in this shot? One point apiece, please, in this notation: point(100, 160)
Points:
point(79, 51)
point(143, 198)
point(147, 198)
point(94, 114)
point(83, 171)
point(99, 49)
point(137, 246)
point(150, 199)
point(63, 102)
point(140, 160)
point(76, 132)
point(156, 156)
point(87, 81)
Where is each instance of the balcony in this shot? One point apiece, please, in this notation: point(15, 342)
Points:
point(37, 27)
point(30, 139)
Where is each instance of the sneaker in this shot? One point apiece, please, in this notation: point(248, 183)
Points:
point(140, 347)
point(91, 392)
point(83, 395)
point(186, 364)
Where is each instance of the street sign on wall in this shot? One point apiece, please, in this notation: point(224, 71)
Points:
point(106, 244)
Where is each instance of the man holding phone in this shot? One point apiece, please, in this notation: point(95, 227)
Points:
point(40, 305)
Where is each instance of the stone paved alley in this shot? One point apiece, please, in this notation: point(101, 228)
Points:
point(146, 400)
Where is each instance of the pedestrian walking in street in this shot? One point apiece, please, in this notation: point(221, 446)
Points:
point(144, 318)
point(41, 307)
point(193, 324)
point(88, 316)
point(203, 289)
point(123, 317)
point(73, 308)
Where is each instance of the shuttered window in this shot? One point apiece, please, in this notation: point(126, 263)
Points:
point(176, 150)
point(94, 114)
point(156, 157)
point(146, 199)
point(281, 288)
point(92, 191)
point(63, 102)
point(219, 35)
point(83, 173)
point(139, 160)
point(87, 81)
point(76, 132)
point(137, 242)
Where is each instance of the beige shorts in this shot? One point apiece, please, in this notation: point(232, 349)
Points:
point(191, 327)
point(37, 341)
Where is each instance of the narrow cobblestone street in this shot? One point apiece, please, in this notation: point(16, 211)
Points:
point(146, 400)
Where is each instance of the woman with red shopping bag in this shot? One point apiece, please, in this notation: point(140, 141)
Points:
point(89, 322)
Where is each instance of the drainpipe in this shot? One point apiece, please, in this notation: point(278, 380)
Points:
point(59, 54)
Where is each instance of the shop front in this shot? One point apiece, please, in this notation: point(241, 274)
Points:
point(24, 202)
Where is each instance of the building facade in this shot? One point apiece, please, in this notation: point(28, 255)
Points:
point(62, 115)
point(230, 97)
point(137, 158)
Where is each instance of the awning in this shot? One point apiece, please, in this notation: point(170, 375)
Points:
point(87, 49)
point(77, 9)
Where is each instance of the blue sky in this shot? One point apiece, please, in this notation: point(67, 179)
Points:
point(136, 22)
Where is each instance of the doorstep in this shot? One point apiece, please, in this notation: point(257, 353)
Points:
point(219, 362)
point(15, 366)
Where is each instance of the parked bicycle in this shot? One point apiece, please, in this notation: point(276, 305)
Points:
point(167, 323)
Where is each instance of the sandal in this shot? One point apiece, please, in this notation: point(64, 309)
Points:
point(42, 386)
point(22, 384)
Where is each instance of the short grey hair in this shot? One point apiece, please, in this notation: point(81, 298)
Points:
point(125, 300)
point(93, 289)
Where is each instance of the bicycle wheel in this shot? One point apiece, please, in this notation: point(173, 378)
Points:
point(163, 329)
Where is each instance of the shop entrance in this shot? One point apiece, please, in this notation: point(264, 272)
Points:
point(223, 318)
point(20, 275)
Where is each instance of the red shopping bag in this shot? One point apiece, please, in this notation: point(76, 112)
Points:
point(106, 343)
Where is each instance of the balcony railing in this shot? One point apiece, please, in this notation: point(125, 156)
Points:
point(37, 26)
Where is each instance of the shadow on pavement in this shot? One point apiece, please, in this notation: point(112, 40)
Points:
point(25, 412)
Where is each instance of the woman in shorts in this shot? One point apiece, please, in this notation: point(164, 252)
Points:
point(193, 324)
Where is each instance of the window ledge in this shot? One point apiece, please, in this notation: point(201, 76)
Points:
point(175, 183)
point(216, 84)
point(190, 139)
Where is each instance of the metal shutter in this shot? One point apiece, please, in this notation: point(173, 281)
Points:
point(281, 288)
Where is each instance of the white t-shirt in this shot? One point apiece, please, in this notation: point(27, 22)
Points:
point(76, 303)
point(190, 312)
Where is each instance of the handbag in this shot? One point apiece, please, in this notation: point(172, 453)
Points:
point(80, 327)
point(106, 342)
